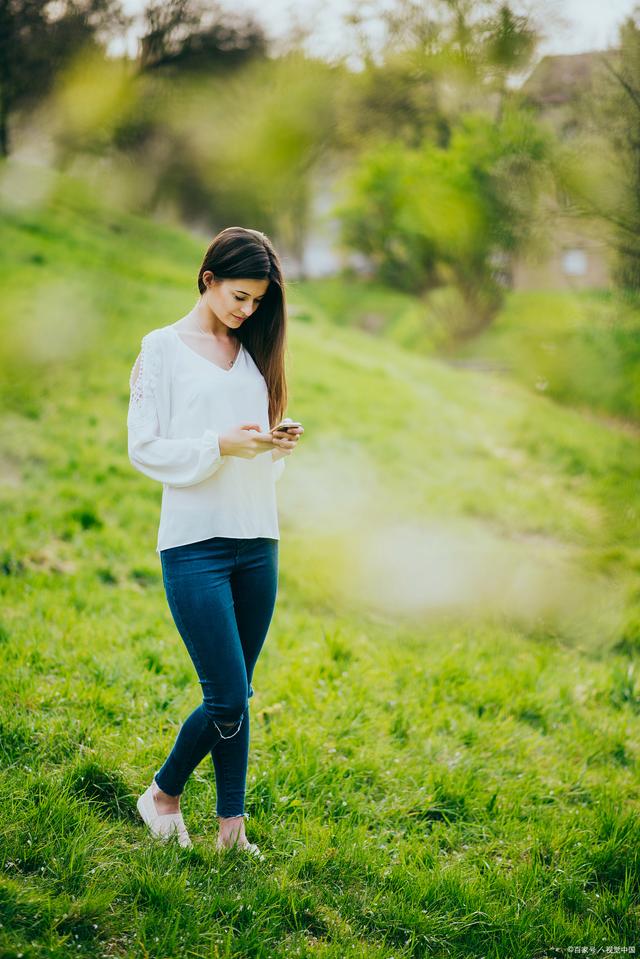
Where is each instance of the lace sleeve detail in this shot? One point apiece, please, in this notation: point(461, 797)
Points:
point(174, 461)
point(143, 383)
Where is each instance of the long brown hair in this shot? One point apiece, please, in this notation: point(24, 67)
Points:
point(249, 254)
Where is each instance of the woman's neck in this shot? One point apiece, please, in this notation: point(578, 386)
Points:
point(205, 322)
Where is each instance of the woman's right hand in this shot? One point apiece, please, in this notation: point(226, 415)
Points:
point(246, 440)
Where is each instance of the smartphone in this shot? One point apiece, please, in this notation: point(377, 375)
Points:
point(285, 425)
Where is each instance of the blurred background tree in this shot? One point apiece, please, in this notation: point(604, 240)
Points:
point(598, 169)
point(621, 118)
point(431, 216)
point(450, 165)
point(39, 39)
point(446, 174)
point(203, 125)
point(193, 37)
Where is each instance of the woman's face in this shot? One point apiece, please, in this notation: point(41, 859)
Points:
point(233, 300)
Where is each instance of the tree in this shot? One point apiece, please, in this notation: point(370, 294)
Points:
point(598, 170)
point(38, 39)
point(623, 124)
point(509, 43)
point(184, 36)
point(435, 61)
point(432, 216)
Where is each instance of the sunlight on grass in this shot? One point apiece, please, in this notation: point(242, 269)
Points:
point(446, 714)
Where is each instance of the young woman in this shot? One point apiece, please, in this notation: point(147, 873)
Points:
point(206, 393)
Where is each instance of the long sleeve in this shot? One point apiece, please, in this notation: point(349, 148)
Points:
point(175, 462)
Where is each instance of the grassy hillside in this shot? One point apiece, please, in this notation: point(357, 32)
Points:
point(446, 713)
point(580, 348)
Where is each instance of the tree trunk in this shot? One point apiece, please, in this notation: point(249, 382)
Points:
point(4, 128)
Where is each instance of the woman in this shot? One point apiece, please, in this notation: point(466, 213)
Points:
point(205, 393)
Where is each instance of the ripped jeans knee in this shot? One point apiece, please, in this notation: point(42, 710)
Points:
point(220, 718)
point(237, 724)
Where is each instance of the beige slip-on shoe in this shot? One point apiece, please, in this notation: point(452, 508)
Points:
point(163, 826)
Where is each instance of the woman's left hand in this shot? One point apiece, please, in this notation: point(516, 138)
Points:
point(288, 439)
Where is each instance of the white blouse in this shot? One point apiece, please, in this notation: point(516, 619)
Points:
point(180, 403)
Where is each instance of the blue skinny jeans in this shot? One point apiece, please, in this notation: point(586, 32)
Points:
point(221, 592)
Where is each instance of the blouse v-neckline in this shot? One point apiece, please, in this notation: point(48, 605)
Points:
point(173, 327)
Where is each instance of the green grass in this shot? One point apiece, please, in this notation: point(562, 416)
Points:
point(580, 348)
point(445, 723)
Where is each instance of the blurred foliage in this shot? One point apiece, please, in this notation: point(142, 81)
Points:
point(623, 127)
point(437, 62)
point(450, 166)
point(443, 174)
point(191, 36)
point(38, 39)
point(432, 216)
point(598, 168)
point(180, 142)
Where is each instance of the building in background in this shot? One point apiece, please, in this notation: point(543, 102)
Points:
point(578, 255)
